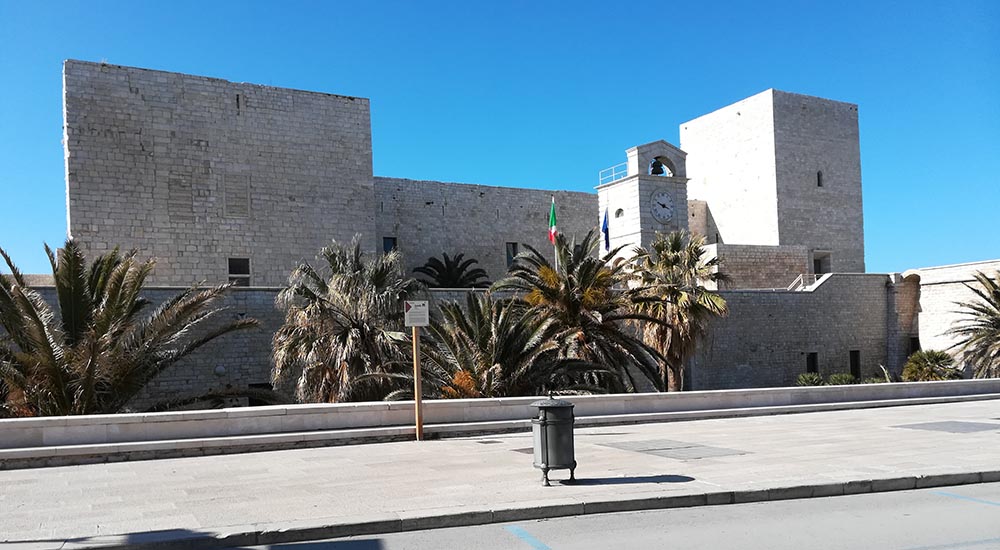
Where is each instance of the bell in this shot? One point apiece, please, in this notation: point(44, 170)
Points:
point(656, 168)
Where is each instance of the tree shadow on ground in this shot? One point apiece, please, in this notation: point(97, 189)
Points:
point(362, 544)
point(627, 480)
point(184, 538)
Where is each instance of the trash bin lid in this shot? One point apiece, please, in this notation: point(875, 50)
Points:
point(552, 403)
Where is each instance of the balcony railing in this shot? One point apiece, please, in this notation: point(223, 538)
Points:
point(614, 173)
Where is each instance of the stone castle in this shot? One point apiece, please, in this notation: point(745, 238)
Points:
point(241, 182)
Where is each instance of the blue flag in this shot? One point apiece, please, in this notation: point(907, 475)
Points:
point(604, 230)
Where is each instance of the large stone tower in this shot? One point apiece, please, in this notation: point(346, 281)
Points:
point(651, 197)
point(781, 169)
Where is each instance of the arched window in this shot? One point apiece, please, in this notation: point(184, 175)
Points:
point(619, 213)
point(819, 178)
point(661, 166)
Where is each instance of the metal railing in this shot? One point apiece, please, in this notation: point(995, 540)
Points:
point(804, 281)
point(614, 173)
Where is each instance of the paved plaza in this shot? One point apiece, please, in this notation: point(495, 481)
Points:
point(314, 493)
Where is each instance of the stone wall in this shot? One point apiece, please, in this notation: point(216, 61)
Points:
point(756, 163)
point(195, 170)
point(940, 288)
point(428, 218)
point(764, 340)
point(812, 136)
point(750, 266)
point(902, 310)
point(731, 165)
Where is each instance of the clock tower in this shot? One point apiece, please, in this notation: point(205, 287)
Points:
point(645, 196)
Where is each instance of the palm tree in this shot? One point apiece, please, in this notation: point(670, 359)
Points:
point(925, 365)
point(491, 348)
point(669, 279)
point(99, 347)
point(453, 273)
point(342, 328)
point(587, 301)
point(979, 331)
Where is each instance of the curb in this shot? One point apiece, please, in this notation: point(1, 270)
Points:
point(280, 533)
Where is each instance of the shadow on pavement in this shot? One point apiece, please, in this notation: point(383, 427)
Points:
point(364, 544)
point(628, 480)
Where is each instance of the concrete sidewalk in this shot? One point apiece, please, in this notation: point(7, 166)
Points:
point(283, 496)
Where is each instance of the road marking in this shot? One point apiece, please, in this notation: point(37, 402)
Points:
point(520, 533)
point(963, 497)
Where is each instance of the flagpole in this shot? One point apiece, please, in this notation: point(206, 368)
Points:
point(552, 233)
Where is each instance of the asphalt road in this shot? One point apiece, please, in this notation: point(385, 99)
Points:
point(964, 517)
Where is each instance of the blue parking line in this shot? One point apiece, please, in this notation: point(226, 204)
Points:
point(963, 497)
point(522, 534)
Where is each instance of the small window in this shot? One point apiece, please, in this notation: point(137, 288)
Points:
point(812, 362)
point(388, 244)
point(511, 253)
point(856, 363)
point(255, 400)
point(619, 213)
point(819, 178)
point(822, 262)
point(239, 271)
point(914, 345)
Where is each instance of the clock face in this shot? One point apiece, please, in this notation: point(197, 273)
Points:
point(661, 206)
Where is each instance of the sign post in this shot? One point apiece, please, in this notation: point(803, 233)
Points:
point(416, 314)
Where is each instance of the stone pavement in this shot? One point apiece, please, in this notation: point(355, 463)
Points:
point(281, 496)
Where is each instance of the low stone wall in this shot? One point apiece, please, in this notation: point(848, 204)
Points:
point(167, 427)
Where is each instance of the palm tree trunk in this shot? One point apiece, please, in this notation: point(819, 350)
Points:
point(675, 378)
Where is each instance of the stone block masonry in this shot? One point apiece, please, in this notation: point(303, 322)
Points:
point(940, 288)
point(430, 217)
point(766, 339)
point(195, 170)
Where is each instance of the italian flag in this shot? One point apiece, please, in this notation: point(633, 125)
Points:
point(552, 221)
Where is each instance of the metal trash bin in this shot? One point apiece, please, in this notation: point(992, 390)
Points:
point(552, 434)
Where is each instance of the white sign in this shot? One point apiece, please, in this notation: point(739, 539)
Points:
point(416, 314)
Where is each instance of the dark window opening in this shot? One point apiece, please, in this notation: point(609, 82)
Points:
point(856, 363)
point(388, 244)
point(819, 178)
point(511, 253)
point(239, 271)
point(821, 262)
point(914, 345)
point(619, 213)
point(255, 401)
point(812, 362)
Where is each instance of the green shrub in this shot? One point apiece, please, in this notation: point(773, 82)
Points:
point(810, 379)
point(841, 379)
point(874, 380)
point(927, 365)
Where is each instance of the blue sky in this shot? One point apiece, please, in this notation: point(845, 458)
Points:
point(544, 95)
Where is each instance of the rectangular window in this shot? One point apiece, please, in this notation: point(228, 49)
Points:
point(856, 363)
point(511, 253)
point(822, 262)
point(812, 362)
point(914, 345)
point(819, 179)
point(239, 271)
point(388, 244)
